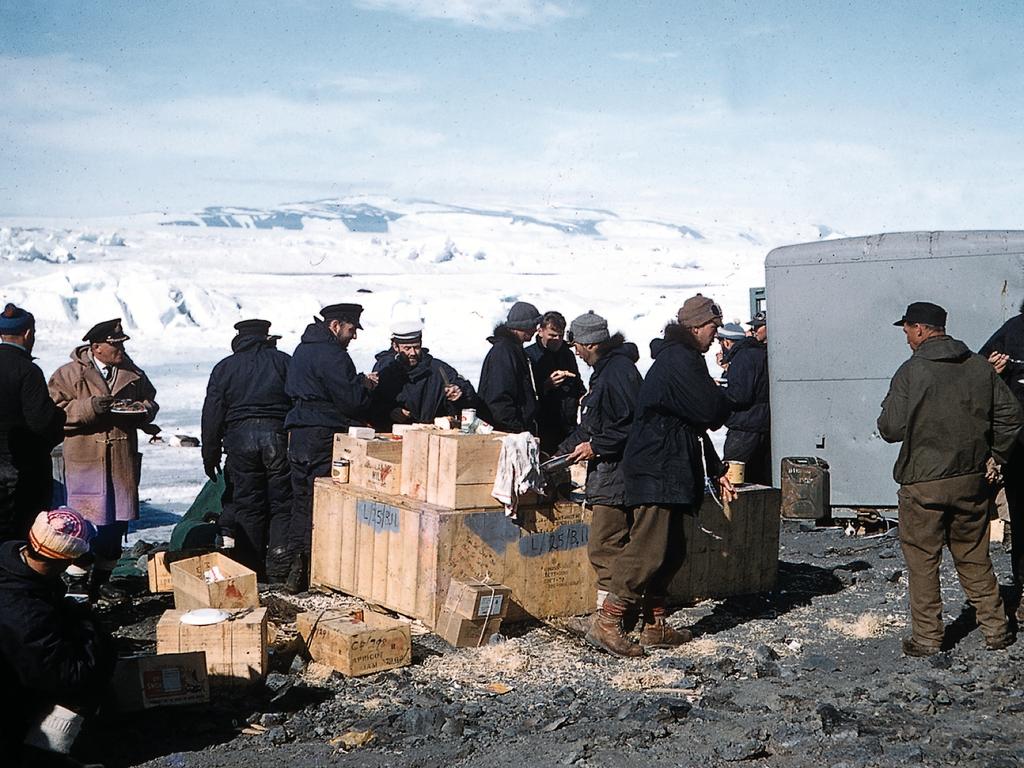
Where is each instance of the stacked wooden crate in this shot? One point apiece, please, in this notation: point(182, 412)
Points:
point(402, 550)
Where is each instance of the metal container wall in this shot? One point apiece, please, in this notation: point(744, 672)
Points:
point(833, 349)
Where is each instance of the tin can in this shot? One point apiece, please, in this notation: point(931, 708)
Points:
point(340, 470)
point(736, 472)
point(468, 420)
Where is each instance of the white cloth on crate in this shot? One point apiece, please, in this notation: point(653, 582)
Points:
point(518, 470)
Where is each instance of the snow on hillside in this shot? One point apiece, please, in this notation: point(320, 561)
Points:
point(181, 281)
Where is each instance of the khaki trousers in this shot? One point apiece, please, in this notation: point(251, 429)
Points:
point(636, 551)
point(952, 511)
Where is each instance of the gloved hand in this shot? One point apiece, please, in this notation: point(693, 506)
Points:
point(211, 466)
point(102, 404)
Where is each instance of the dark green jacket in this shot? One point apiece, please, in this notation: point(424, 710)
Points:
point(951, 411)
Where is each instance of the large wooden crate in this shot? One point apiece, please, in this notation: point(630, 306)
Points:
point(374, 464)
point(402, 553)
point(732, 550)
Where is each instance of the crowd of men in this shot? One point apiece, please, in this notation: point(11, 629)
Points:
point(644, 440)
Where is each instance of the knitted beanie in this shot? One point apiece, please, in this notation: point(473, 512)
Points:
point(590, 328)
point(60, 534)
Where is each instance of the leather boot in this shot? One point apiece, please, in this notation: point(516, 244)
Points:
point(606, 629)
point(298, 575)
point(656, 632)
point(278, 565)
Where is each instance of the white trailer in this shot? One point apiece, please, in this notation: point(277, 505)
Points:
point(832, 347)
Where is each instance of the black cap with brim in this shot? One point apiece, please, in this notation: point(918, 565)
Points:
point(924, 312)
point(254, 327)
point(109, 331)
point(346, 313)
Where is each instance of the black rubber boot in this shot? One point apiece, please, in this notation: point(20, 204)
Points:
point(298, 575)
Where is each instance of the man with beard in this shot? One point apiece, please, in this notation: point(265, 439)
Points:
point(107, 399)
point(414, 386)
point(663, 468)
point(749, 436)
point(607, 413)
point(30, 426)
point(328, 396)
point(508, 400)
point(556, 378)
point(243, 415)
point(951, 412)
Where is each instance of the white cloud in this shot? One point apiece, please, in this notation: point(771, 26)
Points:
point(490, 14)
point(645, 57)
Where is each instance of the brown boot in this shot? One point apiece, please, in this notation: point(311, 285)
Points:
point(656, 632)
point(606, 629)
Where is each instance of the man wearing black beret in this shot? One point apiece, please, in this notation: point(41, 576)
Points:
point(328, 396)
point(243, 415)
point(951, 411)
point(30, 426)
point(107, 399)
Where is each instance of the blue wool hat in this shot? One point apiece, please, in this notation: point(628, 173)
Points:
point(15, 320)
point(732, 331)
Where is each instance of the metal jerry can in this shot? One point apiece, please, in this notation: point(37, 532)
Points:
point(805, 488)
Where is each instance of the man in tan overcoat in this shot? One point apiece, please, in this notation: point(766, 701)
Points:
point(107, 398)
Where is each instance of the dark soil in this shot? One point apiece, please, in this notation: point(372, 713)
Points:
point(809, 675)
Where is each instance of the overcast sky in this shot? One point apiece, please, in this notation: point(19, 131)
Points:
point(864, 116)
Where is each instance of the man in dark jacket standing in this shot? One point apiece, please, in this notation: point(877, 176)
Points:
point(1005, 351)
point(951, 411)
point(328, 396)
point(749, 436)
point(663, 467)
point(243, 414)
point(508, 400)
point(414, 386)
point(55, 660)
point(556, 378)
point(607, 414)
point(31, 424)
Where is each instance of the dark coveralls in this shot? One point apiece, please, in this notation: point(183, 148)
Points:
point(749, 436)
point(1009, 340)
point(556, 406)
point(419, 390)
point(328, 396)
point(244, 413)
point(52, 651)
point(663, 467)
point(607, 414)
point(508, 400)
point(31, 424)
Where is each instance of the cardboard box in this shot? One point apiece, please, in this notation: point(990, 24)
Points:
point(236, 649)
point(375, 464)
point(166, 680)
point(477, 601)
point(191, 590)
point(465, 633)
point(402, 553)
point(356, 644)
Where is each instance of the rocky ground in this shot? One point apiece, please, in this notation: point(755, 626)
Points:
point(809, 675)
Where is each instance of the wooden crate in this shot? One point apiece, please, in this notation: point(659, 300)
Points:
point(236, 649)
point(477, 601)
point(461, 632)
point(730, 551)
point(191, 590)
point(374, 464)
point(402, 553)
point(356, 645)
point(159, 572)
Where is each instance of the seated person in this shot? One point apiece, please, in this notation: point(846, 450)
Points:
point(55, 660)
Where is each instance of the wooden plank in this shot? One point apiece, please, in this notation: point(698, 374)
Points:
point(415, 460)
point(236, 649)
point(356, 647)
point(159, 572)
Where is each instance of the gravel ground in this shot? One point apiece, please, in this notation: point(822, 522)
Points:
point(810, 675)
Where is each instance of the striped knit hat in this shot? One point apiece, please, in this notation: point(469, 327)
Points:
point(60, 534)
